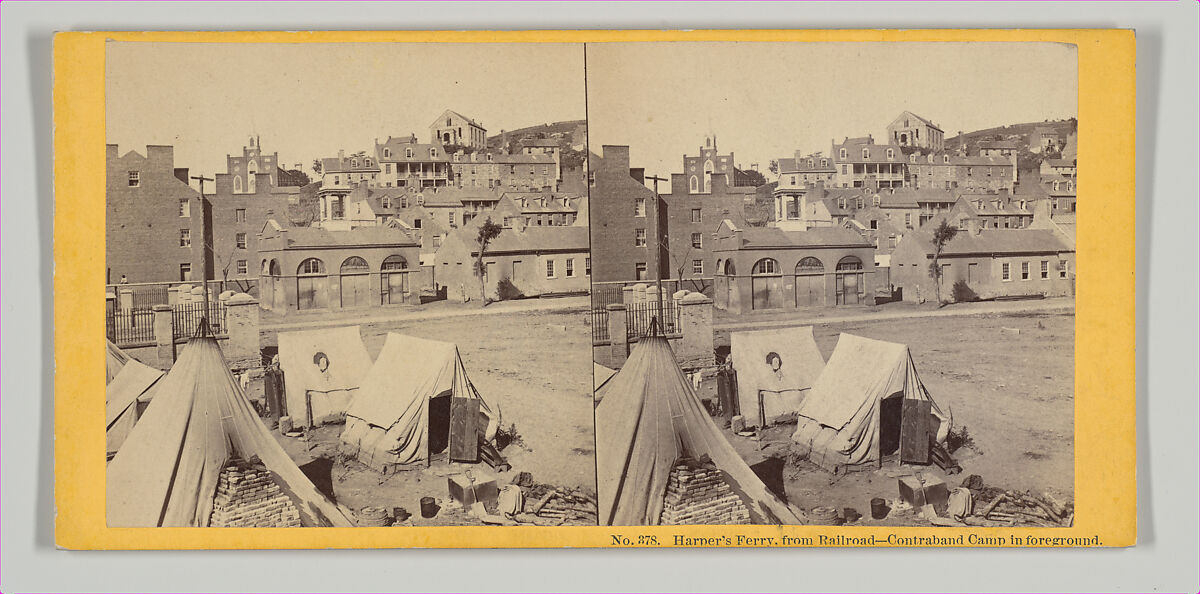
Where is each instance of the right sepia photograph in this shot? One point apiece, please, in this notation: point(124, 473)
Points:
point(833, 283)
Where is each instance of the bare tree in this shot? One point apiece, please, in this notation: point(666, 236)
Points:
point(942, 235)
point(487, 232)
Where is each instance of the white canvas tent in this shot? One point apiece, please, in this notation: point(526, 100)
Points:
point(314, 395)
point(115, 360)
point(125, 399)
point(600, 376)
point(166, 473)
point(775, 371)
point(415, 401)
point(867, 403)
point(649, 418)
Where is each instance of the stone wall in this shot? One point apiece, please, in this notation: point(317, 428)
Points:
point(247, 497)
point(698, 494)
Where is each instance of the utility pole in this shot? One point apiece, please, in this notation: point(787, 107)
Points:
point(657, 251)
point(204, 245)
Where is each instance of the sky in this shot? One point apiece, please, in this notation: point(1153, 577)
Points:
point(764, 101)
point(306, 101)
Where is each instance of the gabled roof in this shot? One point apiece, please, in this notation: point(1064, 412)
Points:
point(304, 237)
point(336, 165)
point(398, 148)
point(918, 118)
point(876, 153)
point(438, 122)
point(996, 242)
point(534, 239)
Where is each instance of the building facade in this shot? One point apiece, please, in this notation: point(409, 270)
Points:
point(910, 129)
point(153, 218)
point(407, 164)
point(535, 260)
point(455, 129)
point(692, 220)
point(945, 171)
point(244, 169)
point(622, 220)
point(860, 163)
point(699, 170)
point(768, 269)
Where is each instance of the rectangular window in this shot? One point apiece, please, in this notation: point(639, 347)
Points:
point(185, 208)
point(639, 271)
point(570, 269)
point(695, 215)
point(1024, 270)
point(639, 207)
point(697, 266)
point(908, 219)
point(239, 215)
point(240, 238)
point(134, 179)
point(387, 167)
point(185, 238)
point(874, 224)
point(1005, 273)
point(242, 267)
point(1045, 269)
point(185, 272)
point(549, 268)
point(639, 238)
point(697, 240)
point(587, 266)
point(1062, 268)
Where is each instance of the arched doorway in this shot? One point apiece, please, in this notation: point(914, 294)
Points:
point(394, 279)
point(731, 294)
point(355, 282)
point(312, 289)
point(810, 282)
point(278, 295)
point(850, 285)
point(766, 284)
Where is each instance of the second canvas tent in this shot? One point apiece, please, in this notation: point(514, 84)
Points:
point(650, 428)
point(868, 403)
point(417, 401)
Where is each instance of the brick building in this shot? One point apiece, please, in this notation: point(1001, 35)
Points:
point(860, 163)
point(536, 260)
point(309, 268)
point(692, 220)
point(945, 171)
point(622, 220)
point(152, 218)
point(235, 220)
point(544, 146)
point(453, 128)
point(244, 169)
point(700, 170)
point(772, 269)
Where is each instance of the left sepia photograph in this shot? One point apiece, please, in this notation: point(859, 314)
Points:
point(346, 285)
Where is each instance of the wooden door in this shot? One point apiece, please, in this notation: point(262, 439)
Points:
point(810, 291)
point(355, 290)
point(394, 287)
point(464, 429)
point(914, 431)
point(310, 292)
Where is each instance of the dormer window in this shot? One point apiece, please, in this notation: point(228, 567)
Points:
point(810, 163)
point(489, 158)
point(387, 153)
point(858, 202)
point(945, 158)
point(866, 154)
point(891, 154)
point(408, 153)
point(1055, 186)
point(1070, 186)
point(354, 162)
point(824, 162)
point(432, 153)
point(841, 153)
point(368, 162)
point(842, 203)
point(875, 200)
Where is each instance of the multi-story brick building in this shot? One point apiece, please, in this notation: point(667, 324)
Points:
point(545, 146)
point(456, 129)
point(910, 129)
point(622, 220)
point(236, 219)
point(496, 169)
point(244, 169)
point(152, 218)
point(692, 220)
point(945, 171)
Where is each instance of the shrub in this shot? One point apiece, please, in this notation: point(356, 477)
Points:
point(505, 290)
point(507, 437)
point(963, 293)
point(959, 437)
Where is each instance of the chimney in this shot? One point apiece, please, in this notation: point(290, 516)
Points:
point(341, 154)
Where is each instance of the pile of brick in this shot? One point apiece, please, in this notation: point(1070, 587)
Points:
point(698, 494)
point(247, 497)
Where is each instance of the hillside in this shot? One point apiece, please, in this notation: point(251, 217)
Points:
point(538, 131)
point(1019, 132)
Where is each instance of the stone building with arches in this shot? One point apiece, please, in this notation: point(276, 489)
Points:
point(769, 269)
point(309, 268)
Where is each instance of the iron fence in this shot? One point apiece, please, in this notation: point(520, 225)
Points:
point(185, 318)
point(599, 321)
point(129, 327)
point(605, 293)
point(640, 316)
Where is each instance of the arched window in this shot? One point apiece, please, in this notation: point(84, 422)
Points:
point(720, 266)
point(694, 185)
point(729, 268)
point(311, 267)
point(765, 267)
point(265, 269)
point(394, 262)
point(354, 265)
point(849, 263)
point(354, 163)
point(707, 184)
point(708, 166)
point(810, 265)
point(237, 185)
point(274, 268)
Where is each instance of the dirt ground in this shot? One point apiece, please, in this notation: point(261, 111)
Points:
point(534, 366)
point(1007, 380)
